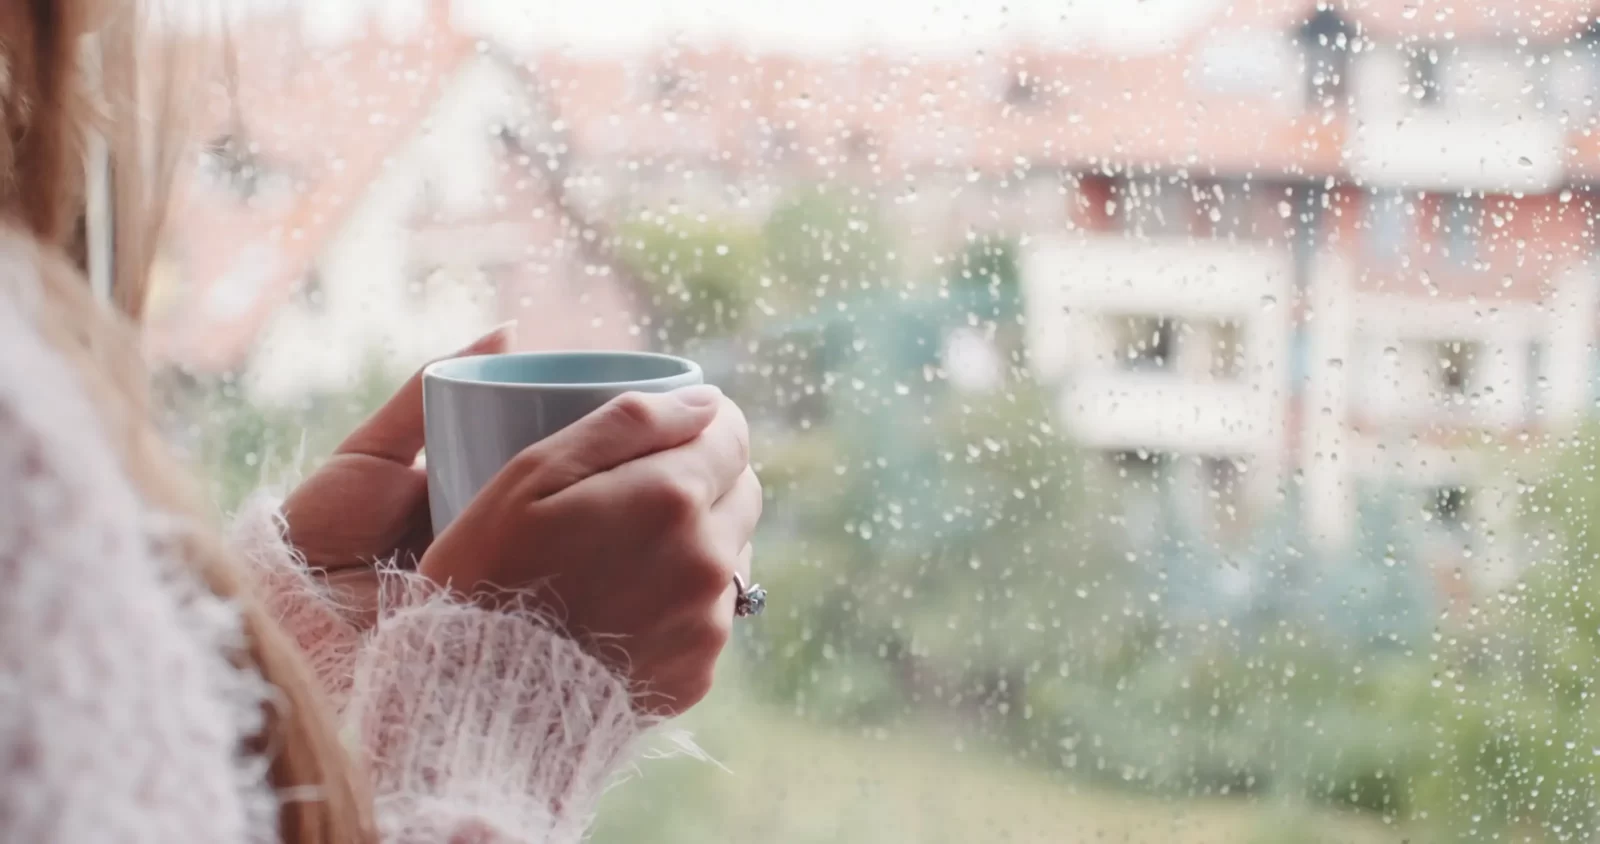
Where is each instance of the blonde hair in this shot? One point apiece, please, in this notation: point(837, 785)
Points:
point(48, 108)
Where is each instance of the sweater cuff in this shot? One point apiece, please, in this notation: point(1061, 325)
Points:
point(487, 717)
point(305, 607)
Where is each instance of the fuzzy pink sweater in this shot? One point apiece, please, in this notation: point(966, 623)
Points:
point(121, 720)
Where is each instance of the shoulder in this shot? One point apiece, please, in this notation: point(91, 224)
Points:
point(57, 464)
point(121, 703)
point(50, 437)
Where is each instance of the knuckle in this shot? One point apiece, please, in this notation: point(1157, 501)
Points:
point(714, 636)
point(533, 469)
point(758, 493)
point(705, 574)
point(527, 461)
point(673, 498)
point(633, 410)
point(741, 433)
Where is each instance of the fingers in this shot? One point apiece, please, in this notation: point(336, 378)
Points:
point(687, 653)
point(626, 429)
point(741, 566)
point(395, 432)
point(735, 515)
point(698, 473)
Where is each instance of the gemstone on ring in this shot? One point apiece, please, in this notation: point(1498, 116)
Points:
point(749, 601)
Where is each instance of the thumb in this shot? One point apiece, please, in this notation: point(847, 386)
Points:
point(395, 432)
point(629, 427)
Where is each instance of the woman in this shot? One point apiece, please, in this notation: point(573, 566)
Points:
point(158, 683)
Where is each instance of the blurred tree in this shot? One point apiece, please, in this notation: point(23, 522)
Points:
point(827, 247)
point(704, 276)
point(1514, 733)
point(240, 446)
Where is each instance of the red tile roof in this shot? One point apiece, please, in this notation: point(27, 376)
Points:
point(328, 118)
point(1542, 20)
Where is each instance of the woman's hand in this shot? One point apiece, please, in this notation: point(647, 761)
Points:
point(631, 523)
point(369, 501)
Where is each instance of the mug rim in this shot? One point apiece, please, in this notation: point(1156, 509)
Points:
point(439, 370)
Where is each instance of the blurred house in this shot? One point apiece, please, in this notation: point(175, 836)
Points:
point(1435, 271)
point(371, 201)
point(1453, 284)
point(1286, 245)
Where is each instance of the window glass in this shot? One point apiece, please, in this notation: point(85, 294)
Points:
point(1146, 343)
point(1453, 372)
point(1390, 226)
point(1176, 416)
point(1460, 227)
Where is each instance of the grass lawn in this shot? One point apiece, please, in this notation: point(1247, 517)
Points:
point(790, 782)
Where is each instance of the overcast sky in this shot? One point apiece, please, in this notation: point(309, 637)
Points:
point(1126, 25)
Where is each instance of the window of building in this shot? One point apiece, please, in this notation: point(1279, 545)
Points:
point(1156, 207)
point(1327, 39)
point(1224, 479)
point(1537, 385)
point(1226, 338)
point(1145, 343)
point(1234, 210)
point(1390, 225)
point(1460, 228)
point(1024, 89)
point(1455, 367)
point(1422, 75)
point(1449, 507)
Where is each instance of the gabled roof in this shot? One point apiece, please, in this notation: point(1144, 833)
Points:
point(1225, 97)
point(323, 119)
point(1537, 20)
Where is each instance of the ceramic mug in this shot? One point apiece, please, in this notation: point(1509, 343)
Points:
point(482, 411)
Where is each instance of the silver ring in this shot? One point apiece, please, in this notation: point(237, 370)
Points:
point(748, 600)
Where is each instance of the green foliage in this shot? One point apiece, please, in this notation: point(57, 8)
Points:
point(828, 243)
point(1509, 698)
point(705, 276)
point(241, 446)
point(987, 279)
point(944, 556)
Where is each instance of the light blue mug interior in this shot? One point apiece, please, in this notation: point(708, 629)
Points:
point(564, 369)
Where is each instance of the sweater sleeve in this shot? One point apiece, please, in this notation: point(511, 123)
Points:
point(480, 726)
point(121, 717)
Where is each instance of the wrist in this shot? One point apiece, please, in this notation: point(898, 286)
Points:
point(356, 588)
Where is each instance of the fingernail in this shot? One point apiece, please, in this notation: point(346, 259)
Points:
point(700, 395)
